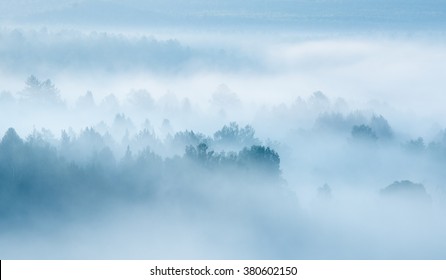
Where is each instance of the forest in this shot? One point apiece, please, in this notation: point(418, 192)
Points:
point(273, 129)
point(345, 157)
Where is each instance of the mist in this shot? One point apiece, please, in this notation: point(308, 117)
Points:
point(287, 130)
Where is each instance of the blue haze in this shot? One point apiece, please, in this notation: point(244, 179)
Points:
point(222, 129)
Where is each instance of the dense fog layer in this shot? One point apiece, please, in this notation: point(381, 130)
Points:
point(222, 130)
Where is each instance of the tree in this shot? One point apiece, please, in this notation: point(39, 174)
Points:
point(11, 139)
point(86, 102)
point(260, 158)
point(406, 190)
point(363, 132)
point(234, 136)
point(200, 153)
point(186, 138)
point(381, 127)
point(141, 100)
point(416, 146)
point(12, 154)
point(43, 93)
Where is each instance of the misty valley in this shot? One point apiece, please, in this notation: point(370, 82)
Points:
point(272, 129)
point(136, 178)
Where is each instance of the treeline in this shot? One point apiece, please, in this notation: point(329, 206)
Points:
point(37, 176)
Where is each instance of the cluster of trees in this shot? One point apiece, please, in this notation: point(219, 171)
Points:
point(435, 149)
point(82, 171)
point(257, 159)
point(229, 137)
point(44, 92)
point(406, 191)
point(40, 95)
point(378, 128)
point(360, 128)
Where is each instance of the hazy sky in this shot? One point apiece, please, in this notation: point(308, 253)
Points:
point(258, 14)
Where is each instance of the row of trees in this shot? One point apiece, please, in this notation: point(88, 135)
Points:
point(35, 174)
point(230, 137)
point(255, 158)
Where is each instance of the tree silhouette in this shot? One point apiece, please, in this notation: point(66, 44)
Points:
point(41, 93)
point(81, 171)
point(364, 133)
point(235, 137)
point(260, 158)
point(407, 191)
point(381, 127)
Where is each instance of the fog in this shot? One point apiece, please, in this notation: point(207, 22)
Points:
point(272, 130)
